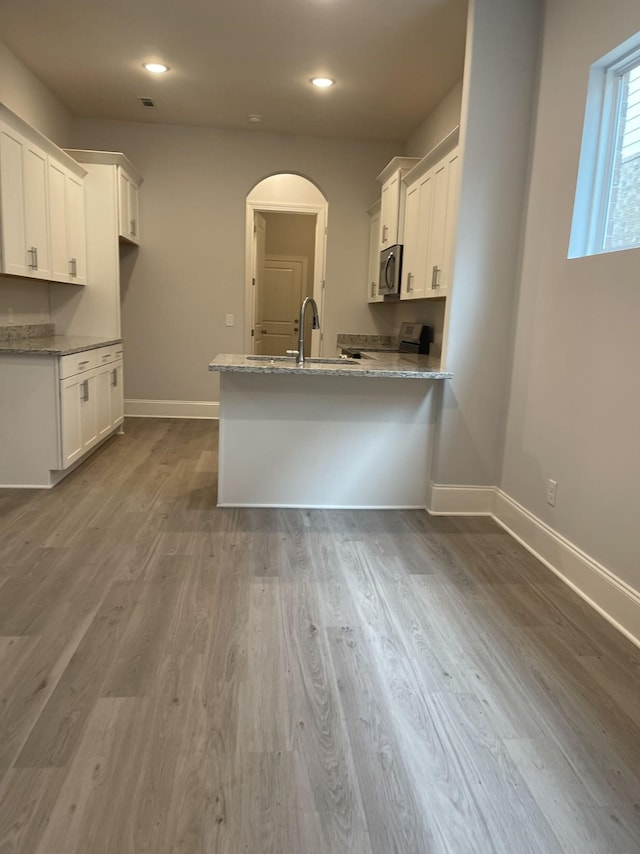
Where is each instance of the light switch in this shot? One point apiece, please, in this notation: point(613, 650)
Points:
point(229, 320)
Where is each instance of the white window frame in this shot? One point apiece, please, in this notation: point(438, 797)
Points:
point(595, 172)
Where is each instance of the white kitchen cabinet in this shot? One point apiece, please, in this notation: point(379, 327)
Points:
point(374, 254)
point(67, 225)
point(392, 200)
point(98, 313)
point(430, 227)
point(23, 206)
point(56, 409)
point(34, 174)
point(89, 409)
point(128, 205)
point(78, 416)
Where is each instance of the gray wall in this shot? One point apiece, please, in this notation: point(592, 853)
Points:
point(495, 129)
point(190, 269)
point(574, 412)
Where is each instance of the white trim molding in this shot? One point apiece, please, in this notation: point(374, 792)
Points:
point(611, 597)
point(615, 600)
point(461, 500)
point(171, 409)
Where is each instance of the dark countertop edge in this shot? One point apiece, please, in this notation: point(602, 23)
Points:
point(65, 346)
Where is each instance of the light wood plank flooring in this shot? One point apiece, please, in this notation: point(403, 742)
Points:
point(179, 678)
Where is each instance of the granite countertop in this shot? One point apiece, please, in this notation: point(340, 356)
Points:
point(373, 364)
point(54, 345)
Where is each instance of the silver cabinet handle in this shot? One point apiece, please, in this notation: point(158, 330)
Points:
point(409, 280)
point(373, 289)
point(73, 268)
point(435, 278)
point(132, 226)
point(33, 251)
point(114, 378)
point(84, 391)
point(385, 229)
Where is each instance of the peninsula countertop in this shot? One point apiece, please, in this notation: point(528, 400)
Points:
point(54, 345)
point(372, 364)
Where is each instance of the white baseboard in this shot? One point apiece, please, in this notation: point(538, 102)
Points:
point(610, 596)
point(171, 409)
point(461, 500)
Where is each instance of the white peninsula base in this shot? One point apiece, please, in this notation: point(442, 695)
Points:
point(325, 441)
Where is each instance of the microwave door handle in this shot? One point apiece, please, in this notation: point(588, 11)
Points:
point(386, 270)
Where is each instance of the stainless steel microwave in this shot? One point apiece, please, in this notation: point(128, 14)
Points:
point(390, 272)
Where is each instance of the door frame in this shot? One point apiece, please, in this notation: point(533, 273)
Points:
point(320, 212)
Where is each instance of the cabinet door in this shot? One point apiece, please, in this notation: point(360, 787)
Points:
point(103, 400)
point(117, 395)
point(57, 178)
point(411, 253)
point(12, 203)
point(374, 259)
point(89, 411)
point(451, 222)
point(134, 216)
point(71, 394)
point(435, 262)
point(128, 207)
point(76, 229)
point(389, 208)
point(36, 211)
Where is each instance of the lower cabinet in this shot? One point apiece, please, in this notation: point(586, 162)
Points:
point(91, 402)
point(55, 410)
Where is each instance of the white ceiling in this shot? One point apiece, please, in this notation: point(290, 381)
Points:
point(393, 60)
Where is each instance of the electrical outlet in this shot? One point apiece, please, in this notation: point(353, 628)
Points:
point(552, 491)
point(228, 320)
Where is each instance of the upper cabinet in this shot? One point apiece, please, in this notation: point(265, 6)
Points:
point(392, 200)
point(432, 189)
point(41, 206)
point(128, 206)
point(67, 219)
point(374, 254)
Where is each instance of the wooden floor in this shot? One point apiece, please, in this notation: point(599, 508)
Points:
point(180, 678)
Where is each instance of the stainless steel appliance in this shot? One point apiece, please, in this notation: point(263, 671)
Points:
point(414, 338)
point(390, 272)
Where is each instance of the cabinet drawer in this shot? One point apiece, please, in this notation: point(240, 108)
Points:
point(106, 355)
point(77, 363)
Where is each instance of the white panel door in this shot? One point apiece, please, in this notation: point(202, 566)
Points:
point(76, 230)
point(117, 395)
point(36, 211)
point(12, 203)
point(103, 400)
point(57, 179)
point(71, 393)
point(282, 292)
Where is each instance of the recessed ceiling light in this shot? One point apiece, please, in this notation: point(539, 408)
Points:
point(155, 67)
point(322, 82)
point(255, 119)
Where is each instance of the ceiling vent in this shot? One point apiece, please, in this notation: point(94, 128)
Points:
point(146, 102)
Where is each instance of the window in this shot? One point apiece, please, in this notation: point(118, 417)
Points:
point(607, 207)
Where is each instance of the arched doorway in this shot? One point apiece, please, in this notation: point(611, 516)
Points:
point(282, 200)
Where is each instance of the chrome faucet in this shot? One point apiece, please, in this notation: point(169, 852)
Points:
point(315, 325)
